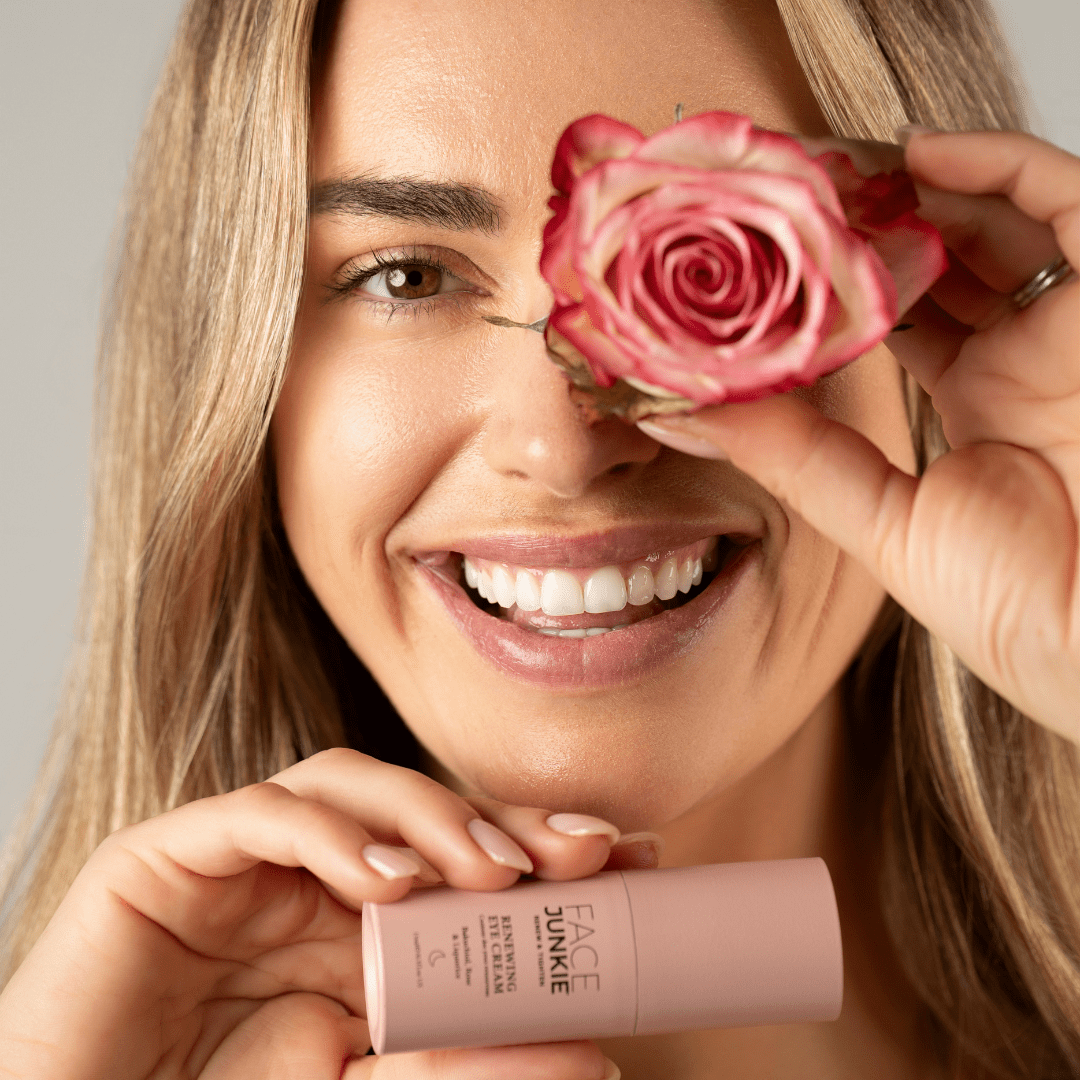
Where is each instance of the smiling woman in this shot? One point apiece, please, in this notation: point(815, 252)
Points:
point(339, 471)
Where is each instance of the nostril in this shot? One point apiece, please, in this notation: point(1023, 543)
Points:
point(618, 470)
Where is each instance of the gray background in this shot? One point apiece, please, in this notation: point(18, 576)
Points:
point(75, 79)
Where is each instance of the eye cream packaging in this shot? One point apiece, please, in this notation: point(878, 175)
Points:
point(638, 952)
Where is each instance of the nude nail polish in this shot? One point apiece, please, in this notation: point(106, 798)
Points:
point(389, 863)
point(619, 953)
point(498, 846)
point(681, 441)
point(582, 825)
point(654, 840)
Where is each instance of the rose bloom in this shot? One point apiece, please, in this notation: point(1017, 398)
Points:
point(718, 262)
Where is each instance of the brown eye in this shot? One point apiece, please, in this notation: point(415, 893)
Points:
point(412, 281)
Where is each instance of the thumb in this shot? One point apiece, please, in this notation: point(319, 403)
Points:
point(830, 475)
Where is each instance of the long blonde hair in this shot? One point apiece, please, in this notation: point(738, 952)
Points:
point(205, 664)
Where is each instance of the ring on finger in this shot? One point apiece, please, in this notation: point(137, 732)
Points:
point(1052, 274)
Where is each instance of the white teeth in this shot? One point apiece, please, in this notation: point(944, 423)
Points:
point(561, 594)
point(528, 592)
point(667, 580)
point(503, 585)
point(686, 575)
point(596, 631)
point(640, 589)
point(711, 559)
point(605, 591)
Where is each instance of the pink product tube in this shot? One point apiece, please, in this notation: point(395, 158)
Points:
point(620, 953)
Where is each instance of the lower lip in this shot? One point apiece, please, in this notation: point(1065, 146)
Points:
point(605, 660)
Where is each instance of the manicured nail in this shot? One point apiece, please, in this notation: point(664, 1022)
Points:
point(613, 1072)
point(428, 873)
point(582, 825)
point(389, 863)
point(653, 840)
point(681, 441)
point(903, 133)
point(498, 846)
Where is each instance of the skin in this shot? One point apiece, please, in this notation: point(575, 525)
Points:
point(221, 940)
point(378, 455)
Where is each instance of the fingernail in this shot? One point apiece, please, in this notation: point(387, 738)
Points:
point(612, 1071)
point(389, 863)
point(427, 872)
point(903, 133)
point(654, 840)
point(681, 441)
point(498, 846)
point(582, 825)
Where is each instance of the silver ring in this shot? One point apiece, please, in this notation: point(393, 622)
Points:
point(1049, 276)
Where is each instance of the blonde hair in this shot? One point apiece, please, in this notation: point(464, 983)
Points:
point(205, 664)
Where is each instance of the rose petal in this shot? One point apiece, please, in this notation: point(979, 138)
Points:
point(712, 140)
point(726, 204)
point(882, 207)
point(556, 267)
point(604, 356)
point(588, 141)
point(715, 261)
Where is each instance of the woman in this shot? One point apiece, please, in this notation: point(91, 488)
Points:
point(252, 518)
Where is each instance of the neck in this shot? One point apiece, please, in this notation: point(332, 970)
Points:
point(807, 799)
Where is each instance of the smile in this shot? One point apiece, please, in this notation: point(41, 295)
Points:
point(588, 602)
point(590, 623)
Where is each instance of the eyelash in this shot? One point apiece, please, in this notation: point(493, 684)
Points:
point(353, 277)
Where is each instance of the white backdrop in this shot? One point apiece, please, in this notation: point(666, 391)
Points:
point(75, 78)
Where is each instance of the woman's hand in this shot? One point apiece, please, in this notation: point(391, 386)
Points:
point(982, 549)
point(222, 940)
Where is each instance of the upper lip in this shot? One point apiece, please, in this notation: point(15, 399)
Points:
point(620, 544)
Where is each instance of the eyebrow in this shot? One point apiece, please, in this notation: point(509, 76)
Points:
point(446, 204)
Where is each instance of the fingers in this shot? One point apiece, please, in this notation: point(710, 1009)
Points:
point(990, 235)
point(222, 837)
point(1040, 179)
point(311, 1036)
point(543, 1061)
point(832, 476)
point(472, 844)
point(561, 846)
point(401, 805)
point(931, 343)
point(291, 1036)
point(636, 851)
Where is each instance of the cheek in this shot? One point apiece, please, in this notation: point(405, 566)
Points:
point(358, 432)
point(868, 395)
point(336, 453)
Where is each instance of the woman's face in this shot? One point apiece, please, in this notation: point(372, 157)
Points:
point(411, 432)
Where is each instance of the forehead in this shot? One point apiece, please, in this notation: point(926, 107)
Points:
point(478, 91)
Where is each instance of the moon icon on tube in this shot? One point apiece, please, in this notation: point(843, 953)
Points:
point(435, 954)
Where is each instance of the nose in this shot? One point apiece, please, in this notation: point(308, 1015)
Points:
point(535, 433)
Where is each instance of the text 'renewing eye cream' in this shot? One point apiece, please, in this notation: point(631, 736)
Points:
point(638, 952)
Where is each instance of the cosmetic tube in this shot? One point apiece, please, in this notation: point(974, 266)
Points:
point(636, 952)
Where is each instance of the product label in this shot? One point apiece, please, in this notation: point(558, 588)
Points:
point(568, 951)
point(573, 962)
point(557, 960)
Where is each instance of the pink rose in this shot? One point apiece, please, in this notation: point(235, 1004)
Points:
point(718, 262)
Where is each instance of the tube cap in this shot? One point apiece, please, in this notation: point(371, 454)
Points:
point(736, 944)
